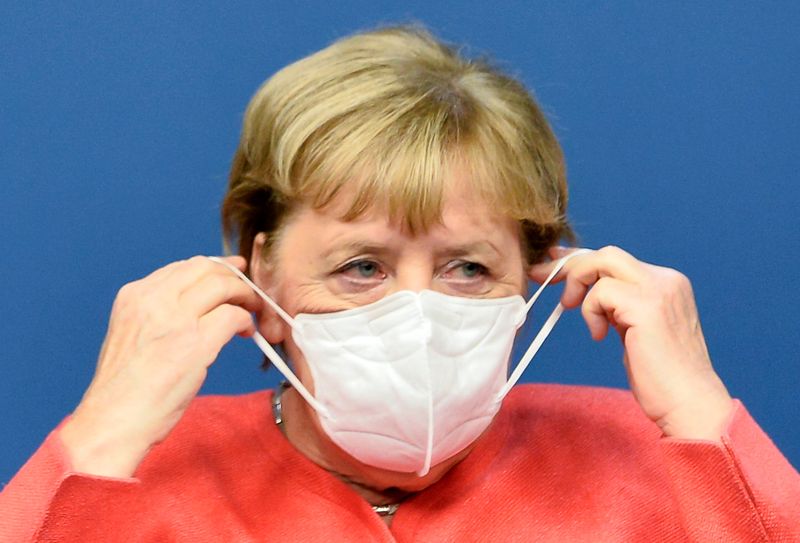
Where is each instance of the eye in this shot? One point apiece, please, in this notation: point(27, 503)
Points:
point(472, 269)
point(363, 268)
point(362, 271)
point(465, 271)
point(466, 278)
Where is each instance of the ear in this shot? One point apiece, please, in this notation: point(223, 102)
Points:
point(263, 273)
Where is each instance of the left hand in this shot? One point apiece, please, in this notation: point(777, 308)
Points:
point(653, 310)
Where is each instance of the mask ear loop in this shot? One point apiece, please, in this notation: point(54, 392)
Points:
point(268, 349)
point(547, 327)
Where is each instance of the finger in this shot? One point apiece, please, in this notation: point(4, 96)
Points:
point(163, 271)
point(190, 271)
point(606, 262)
point(220, 325)
point(135, 290)
point(541, 271)
point(215, 289)
point(606, 304)
point(557, 252)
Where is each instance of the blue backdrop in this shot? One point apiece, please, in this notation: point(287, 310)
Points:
point(680, 126)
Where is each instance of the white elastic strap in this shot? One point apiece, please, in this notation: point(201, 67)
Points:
point(267, 349)
point(553, 273)
point(547, 327)
point(284, 315)
point(278, 362)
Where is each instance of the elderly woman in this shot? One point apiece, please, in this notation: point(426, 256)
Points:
point(391, 200)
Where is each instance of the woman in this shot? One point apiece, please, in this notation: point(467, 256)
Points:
point(391, 200)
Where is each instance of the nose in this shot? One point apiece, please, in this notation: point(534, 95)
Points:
point(414, 274)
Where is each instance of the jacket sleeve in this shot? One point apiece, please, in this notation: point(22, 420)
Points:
point(739, 490)
point(47, 501)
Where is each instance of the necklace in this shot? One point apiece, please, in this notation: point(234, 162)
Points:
point(386, 510)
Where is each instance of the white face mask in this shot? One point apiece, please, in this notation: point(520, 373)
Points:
point(409, 381)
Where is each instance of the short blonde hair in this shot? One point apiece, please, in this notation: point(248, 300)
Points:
point(394, 111)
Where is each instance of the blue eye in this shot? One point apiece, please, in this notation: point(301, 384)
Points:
point(466, 277)
point(472, 269)
point(366, 268)
point(361, 269)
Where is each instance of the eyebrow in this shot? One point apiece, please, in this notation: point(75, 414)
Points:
point(355, 247)
point(465, 249)
point(371, 247)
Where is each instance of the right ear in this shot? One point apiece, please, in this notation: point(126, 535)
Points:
point(263, 273)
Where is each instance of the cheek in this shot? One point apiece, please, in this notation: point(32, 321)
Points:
point(311, 296)
point(524, 280)
point(516, 279)
point(298, 364)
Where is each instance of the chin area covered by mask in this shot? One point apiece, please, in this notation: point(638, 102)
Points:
point(413, 379)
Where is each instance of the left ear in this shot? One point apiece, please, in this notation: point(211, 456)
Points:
point(270, 324)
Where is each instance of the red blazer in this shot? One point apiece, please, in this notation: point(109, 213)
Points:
point(559, 463)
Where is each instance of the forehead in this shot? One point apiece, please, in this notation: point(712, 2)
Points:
point(462, 214)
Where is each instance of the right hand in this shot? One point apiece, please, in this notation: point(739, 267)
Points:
point(165, 331)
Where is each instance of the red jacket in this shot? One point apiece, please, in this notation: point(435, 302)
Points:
point(558, 463)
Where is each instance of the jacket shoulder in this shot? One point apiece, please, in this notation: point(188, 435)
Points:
point(586, 411)
point(554, 394)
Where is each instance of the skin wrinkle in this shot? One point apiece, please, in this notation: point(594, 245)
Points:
point(301, 280)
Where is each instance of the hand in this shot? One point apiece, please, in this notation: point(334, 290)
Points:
point(653, 310)
point(165, 331)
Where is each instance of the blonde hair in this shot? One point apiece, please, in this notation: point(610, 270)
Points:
point(394, 111)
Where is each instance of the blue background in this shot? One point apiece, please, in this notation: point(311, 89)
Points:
point(680, 125)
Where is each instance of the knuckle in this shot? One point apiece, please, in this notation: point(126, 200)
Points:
point(612, 251)
point(199, 260)
point(126, 297)
point(677, 280)
point(127, 291)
